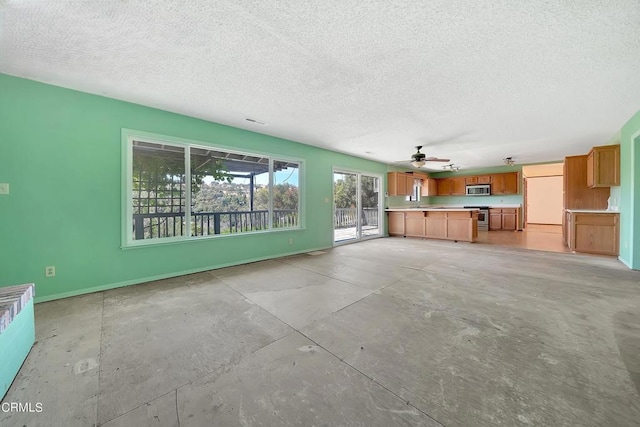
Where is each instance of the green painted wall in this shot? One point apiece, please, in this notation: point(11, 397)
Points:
point(60, 151)
point(630, 192)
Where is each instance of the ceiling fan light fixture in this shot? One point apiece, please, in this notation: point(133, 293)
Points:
point(418, 163)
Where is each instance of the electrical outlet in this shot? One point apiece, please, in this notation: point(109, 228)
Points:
point(50, 271)
point(291, 241)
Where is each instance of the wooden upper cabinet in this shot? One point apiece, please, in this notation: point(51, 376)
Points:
point(399, 184)
point(458, 187)
point(476, 180)
point(451, 186)
point(429, 187)
point(511, 183)
point(577, 194)
point(504, 183)
point(444, 187)
point(603, 166)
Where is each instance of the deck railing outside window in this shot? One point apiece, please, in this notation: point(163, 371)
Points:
point(155, 225)
point(346, 217)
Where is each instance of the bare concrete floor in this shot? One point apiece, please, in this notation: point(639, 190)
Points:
point(380, 333)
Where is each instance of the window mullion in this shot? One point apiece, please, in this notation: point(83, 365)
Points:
point(270, 194)
point(187, 186)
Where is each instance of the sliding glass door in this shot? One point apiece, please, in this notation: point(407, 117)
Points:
point(357, 206)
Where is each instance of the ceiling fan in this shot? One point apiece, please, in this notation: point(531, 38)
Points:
point(418, 159)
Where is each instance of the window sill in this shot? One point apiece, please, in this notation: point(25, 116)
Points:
point(173, 241)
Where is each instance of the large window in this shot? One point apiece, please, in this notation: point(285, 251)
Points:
point(226, 192)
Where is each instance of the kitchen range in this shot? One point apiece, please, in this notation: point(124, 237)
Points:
point(483, 217)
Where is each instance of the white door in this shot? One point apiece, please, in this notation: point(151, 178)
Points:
point(544, 200)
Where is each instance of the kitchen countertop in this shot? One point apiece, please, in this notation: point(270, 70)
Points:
point(454, 207)
point(594, 211)
point(426, 208)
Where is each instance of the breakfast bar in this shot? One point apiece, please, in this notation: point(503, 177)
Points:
point(459, 224)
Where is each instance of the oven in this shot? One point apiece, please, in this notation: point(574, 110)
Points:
point(483, 217)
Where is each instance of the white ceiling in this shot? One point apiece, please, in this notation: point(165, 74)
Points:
point(474, 81)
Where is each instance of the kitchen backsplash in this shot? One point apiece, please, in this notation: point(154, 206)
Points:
point(514, 199)
point(398, 201)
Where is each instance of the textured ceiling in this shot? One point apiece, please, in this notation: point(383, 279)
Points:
point(474, 81)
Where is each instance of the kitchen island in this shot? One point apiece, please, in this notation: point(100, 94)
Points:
point(459, 224)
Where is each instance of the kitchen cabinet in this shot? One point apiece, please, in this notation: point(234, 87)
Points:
point(503, 219)
point(414, 224)
point(593, 232)
point(455, 224)
point(566, 219)
point(451, 186)
point(504, 183)
point(396, 223)
point(458, 188)
point(603, 166)
point(509, 219)
point(576, 192)
point(495, 219)
point(399, 184)
point(429, 187)
point(577, 195)
point(477, 180)
point(436, 225)
point(444, 187)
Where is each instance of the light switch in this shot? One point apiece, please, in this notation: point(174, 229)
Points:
point(4, 188)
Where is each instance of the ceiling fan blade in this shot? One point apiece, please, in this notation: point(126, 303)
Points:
point(435, 159)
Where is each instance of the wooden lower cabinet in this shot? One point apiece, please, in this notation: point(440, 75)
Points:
point(595, 233)
point(396, 223)
point(459, 227)
point(503, 219)
point(414, 224)
point(435, 224)
point(509, 219)
point(495, 219)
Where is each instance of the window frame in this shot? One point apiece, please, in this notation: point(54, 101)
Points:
point(130, 135)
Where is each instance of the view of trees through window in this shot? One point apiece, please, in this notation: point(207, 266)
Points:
point(230, 192)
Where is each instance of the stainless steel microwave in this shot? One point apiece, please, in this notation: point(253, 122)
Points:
point(479, 190)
